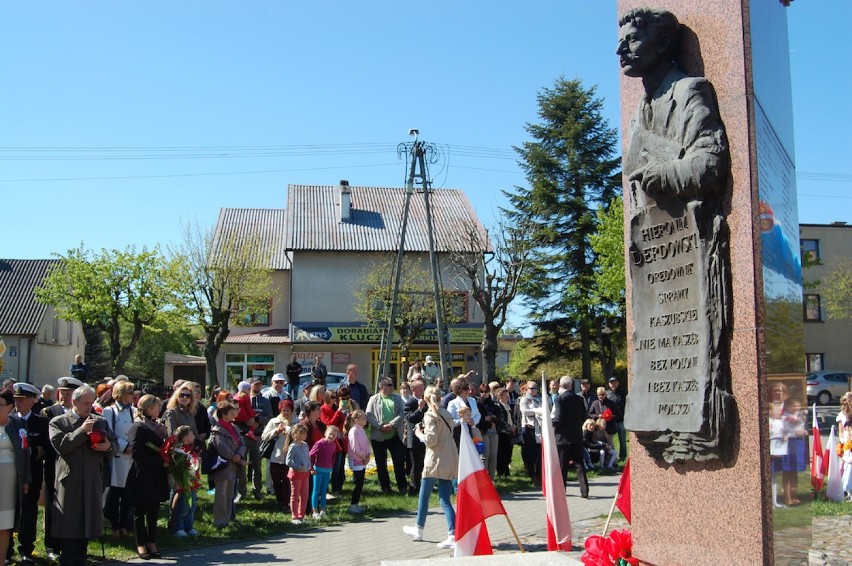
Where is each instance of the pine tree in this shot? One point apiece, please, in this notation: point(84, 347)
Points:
point(571, 171)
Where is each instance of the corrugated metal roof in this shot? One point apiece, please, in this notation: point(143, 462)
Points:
point(20, 313)
point(267, 223)
point(313, 219)
point(271, 336)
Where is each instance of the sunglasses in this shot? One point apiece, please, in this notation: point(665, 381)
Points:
point(185, 395)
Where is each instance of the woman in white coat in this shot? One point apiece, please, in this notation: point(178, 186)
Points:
point(118, 506)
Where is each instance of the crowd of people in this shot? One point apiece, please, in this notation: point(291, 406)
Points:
point(109, 456)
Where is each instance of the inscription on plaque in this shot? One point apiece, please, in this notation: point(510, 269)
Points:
point(669, 357)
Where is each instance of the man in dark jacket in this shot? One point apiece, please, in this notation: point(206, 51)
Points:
point(415, 409)
point(569, 413)
point(618, 396)
point(37, 438)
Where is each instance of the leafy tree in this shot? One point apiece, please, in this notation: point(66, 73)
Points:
point(108, 289)
point(220, 275)
point(373, 296)
point(608, 292)
point(571, 171)
point(837, 290)
point(494, 278)
point(147, 359)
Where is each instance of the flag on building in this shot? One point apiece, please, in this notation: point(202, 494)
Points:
point(552, 486)
point(817, 464)
point(622, 497)
point(834, 480)
point(477, 499)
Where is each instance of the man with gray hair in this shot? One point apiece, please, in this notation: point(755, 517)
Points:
point(82, 440)
point(569, 413)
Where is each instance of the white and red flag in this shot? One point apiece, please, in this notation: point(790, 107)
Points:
point(834, 483)
point(552, 487)
point(477, 500)
point(818, 464)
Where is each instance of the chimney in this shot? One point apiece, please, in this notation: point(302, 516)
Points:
point(345, 201)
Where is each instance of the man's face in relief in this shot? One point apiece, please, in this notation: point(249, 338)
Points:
point(637, 50)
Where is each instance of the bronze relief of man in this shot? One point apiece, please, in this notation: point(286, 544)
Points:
point(677, 169)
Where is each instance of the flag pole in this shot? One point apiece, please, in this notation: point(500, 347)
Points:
point(517, 539)
point(609, 517)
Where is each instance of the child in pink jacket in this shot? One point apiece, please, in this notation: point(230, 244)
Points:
point(359, 455)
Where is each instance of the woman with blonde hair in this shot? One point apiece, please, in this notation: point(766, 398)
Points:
point(118, 507)
point(440, 466)
point(180, 409)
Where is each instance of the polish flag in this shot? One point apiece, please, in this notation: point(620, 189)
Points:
point(834, 483)
point(817, 465)
point(558, 520)
point(622, 497)
point(477, 499)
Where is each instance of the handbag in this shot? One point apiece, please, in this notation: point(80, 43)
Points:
point(211, 461)
point(267, 447)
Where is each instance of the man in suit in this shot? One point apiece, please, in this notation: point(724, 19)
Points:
point(569, 413)
point(415, 409)
point(36, 426)
point(64, 392)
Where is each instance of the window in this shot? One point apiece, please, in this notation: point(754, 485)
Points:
point(241, 367)
point(810, 248)
point(813, 310)
point(457, 311)
point(814, 362)
point(253, 313)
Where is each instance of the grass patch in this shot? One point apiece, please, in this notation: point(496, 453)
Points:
point(831, 508)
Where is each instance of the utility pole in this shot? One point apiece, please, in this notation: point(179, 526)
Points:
point(418, 152)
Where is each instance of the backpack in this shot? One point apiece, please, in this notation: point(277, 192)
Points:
point(210, 459)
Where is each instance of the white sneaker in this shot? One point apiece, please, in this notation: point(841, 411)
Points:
point(180, 533)
point(322, 514)
point(316, 516)
point(449, 543)
point(296, 521)
point(415, 533)
point(192, 533)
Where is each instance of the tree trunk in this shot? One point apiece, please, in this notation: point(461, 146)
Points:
point(489, 352)
point(585, 349)
point(211, 352)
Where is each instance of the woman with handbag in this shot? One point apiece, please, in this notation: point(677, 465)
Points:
point(275, 439)
point(440, 466)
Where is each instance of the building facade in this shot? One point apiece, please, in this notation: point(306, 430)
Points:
point(35, 346)
point(320, 248)
point(828, 342)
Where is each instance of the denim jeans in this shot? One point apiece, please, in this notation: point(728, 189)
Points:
point(445, 490)
point(184, 513)
point(318, 496)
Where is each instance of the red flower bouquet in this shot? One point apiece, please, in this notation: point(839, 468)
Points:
point(607, 415)
point(616, 550)
point(182, 466)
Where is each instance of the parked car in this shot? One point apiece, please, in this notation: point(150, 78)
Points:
point(827, 386)
point(332, 381)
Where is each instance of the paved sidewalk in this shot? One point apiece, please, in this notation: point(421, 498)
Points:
point(370, 542)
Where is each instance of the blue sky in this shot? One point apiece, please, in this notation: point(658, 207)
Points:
point(120, 120)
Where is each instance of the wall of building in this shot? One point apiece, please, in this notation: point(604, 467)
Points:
point(829, 337)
